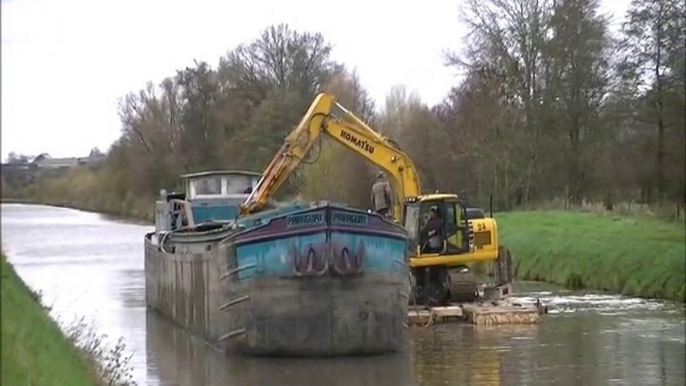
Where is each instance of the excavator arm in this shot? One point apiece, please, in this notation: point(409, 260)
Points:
point(326, 116)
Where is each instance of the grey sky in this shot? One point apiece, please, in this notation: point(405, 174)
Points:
point(66, 63)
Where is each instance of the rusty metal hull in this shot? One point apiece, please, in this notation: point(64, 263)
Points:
point(326, 281)
point(318, 317)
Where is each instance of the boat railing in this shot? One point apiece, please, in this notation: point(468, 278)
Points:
point(181, 210)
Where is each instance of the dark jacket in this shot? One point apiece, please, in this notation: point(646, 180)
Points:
point(434, 240)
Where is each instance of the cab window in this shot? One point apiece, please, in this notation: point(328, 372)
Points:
point(450, 218)
point(412, 221)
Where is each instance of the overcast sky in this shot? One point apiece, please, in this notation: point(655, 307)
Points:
point(65, 63)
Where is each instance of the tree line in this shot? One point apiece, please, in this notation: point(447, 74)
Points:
point(552, 106)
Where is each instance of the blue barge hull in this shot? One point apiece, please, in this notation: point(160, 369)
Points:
point(307, 280)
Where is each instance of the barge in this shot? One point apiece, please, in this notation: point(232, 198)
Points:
point(305, 279)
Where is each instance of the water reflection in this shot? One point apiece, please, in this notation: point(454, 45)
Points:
point(176, 358)
point(473, 355)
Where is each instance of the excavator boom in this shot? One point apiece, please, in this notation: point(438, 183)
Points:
point(326, 116)
point(439, 274)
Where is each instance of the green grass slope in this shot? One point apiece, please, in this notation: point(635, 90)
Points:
point(634, 256)
point(34, 350)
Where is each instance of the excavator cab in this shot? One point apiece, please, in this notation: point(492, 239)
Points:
point(454, 231)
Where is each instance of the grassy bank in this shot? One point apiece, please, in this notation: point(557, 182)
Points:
point(631, 255)
point(34, 349)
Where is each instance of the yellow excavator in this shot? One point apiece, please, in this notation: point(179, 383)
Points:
point(439, 276)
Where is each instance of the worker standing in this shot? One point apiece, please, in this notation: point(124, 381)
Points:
point(381, 195)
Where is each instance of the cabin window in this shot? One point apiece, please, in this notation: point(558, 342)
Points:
point(239, 184)
point(208, 186)
point(220, 185)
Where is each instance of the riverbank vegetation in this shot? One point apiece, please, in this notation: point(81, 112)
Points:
point(35, 351)
point(632, 255)
point(553, 107)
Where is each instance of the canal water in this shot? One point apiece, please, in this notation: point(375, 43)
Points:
point(87, 265)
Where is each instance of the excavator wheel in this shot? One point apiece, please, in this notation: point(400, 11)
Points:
point(462, 285)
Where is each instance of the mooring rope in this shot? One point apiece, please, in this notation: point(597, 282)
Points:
point(414, 303)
